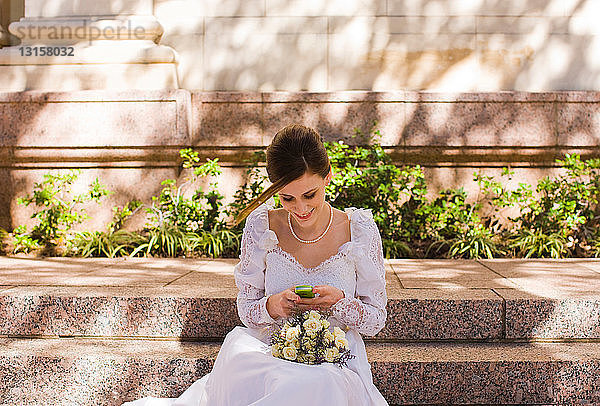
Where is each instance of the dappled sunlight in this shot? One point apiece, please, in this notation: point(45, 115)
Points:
point(419, 45)
point(422, 45)
point(547, 278)
point(452, 274)
point(453, 86)
point(579, 318)
point(139, 333)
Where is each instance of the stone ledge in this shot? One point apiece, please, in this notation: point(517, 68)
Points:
point(493, 119)
point(101, 372)
point(503, 299)
point(356, 96)
point(167, 156)
point(39, 96)
point(485, 373)
point(109, 372)
point(94, 119)
point(209, 312)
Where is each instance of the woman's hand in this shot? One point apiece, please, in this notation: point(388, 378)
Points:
point(282, 304)
point(328, 296)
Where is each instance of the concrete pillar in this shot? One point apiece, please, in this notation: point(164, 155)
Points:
point(87, 44)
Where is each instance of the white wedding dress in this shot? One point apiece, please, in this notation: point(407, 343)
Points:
point(245, 373)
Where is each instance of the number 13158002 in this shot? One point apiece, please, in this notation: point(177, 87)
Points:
point(47, 51)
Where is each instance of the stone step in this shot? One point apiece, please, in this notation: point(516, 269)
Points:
point(428, 299)
point(206, 313)
point(80, 371)
point(181, 312)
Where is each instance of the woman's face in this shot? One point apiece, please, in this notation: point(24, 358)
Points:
point(304, 198)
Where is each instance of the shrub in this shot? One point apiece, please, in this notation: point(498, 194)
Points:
point(561, 218)
point(57, 212)
point(455, 227)
point(253, 185)
point(111, 243)
point(366, 177)
point(181, 225)
point(410, 225)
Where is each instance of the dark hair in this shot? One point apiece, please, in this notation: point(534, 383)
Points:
point(294, 151)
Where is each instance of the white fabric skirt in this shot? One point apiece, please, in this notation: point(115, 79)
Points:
point(245, 373)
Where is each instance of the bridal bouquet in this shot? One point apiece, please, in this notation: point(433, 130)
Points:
point(306, 338)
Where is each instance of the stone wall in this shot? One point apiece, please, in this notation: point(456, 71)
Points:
point(383, 45)
point(315, 45)
point(131, 139)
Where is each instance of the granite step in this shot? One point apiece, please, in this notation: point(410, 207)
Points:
point(79, 371)
point(196, 314)
point(429, 300)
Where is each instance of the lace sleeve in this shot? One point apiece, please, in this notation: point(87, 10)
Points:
point(249, 273)
point(367, 311)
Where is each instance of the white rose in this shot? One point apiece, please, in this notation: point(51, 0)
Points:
point(325, 323)
point(292, 333)
point(338, 333)
point(341, 343)
point(312, 326)
point(328, 336)
point(289, 353)
point(331, 354)
point(314, 315)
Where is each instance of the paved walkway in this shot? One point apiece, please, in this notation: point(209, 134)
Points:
point(535, 277)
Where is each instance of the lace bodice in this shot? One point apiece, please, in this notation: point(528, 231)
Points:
point(357, 269)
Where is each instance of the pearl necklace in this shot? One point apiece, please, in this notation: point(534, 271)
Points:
point(319, 237)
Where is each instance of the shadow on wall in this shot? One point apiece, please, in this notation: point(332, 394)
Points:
point(481, 46)
point(424, 45)
point(420, 129)
point(450, 135)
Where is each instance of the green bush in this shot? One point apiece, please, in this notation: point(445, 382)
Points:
point(57, 211)
point(410, 224)
point(113, 242)
point(560, 217)
point(254, 184)
point(453, 227)
point(188, 226)
point(366, 177)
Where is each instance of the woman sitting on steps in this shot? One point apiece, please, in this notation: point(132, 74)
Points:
point(306, 242)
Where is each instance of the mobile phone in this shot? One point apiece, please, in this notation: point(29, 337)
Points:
point(305, 291)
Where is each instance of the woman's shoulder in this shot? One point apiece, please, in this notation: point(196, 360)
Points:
point(257, 225)
point(362, 225)
point(261, 213)
point(359, 215)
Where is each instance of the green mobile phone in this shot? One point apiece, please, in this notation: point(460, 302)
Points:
point(305, 291)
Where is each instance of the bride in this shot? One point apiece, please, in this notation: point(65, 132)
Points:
point(306, 242)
